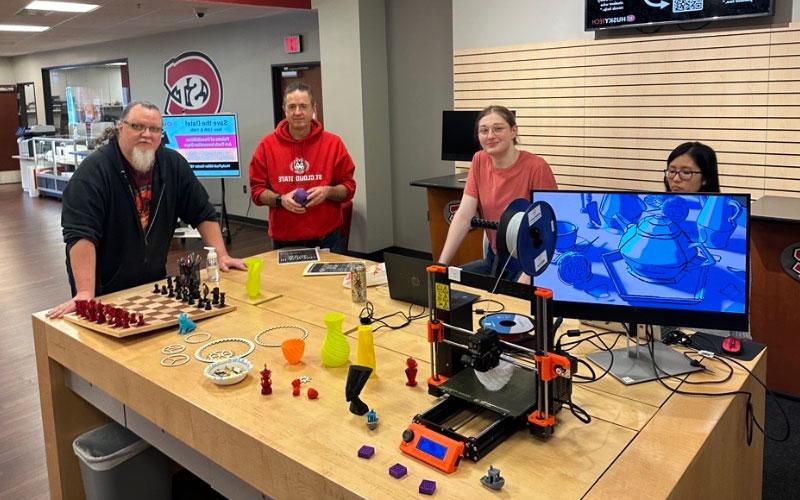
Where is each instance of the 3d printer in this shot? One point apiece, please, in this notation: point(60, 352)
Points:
point(470, 419)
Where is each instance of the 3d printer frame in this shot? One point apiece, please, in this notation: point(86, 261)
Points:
point(540, 385)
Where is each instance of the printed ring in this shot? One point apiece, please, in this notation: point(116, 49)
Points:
point(174, 360)
point(173, 349)
point(205, 359)
point(205, 336)
point(273, 328)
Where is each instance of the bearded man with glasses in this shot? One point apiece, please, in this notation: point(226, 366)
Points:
point(121, 207)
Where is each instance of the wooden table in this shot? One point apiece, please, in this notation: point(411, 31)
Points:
point(641, 438)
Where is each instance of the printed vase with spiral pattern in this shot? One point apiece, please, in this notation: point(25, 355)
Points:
point(335, 349)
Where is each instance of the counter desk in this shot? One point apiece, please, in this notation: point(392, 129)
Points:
point(641, 438)
point(774, 315)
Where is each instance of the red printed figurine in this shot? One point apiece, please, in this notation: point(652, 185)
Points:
point(312, 393)
point(266, 382)
point(296, 387)
point(411, 372)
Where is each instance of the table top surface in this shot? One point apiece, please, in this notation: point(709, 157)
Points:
point(284, 445)
point(777, 208)
point(452, 181)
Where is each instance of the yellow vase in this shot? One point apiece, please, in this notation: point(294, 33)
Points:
point(366, 348)
point(253, 285)
point(335, 349)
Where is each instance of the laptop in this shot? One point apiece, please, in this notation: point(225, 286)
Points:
point(408, 281)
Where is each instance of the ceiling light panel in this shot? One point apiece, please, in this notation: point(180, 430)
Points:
point(61, 6)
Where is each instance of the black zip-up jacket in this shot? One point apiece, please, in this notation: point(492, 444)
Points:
point(98, 205)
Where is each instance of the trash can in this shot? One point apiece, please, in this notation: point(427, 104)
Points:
point(117, 464)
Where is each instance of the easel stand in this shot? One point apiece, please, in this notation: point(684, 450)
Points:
point(223, 215)
point(633, 364)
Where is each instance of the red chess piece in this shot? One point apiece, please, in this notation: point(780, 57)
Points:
point(411, 372)
point(140, 320)
point(266, 382)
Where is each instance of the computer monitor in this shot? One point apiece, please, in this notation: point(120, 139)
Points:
point(673, 259)
point(209, 142)
point(459, 141)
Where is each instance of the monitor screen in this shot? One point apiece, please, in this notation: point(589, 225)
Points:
point(210, 143)
point(653, 258)
point(609, 14)
point(459, 142)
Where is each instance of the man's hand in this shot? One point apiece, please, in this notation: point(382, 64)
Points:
point(288, 203)
point(227, 263)
point(68, 306)
point(317, 195)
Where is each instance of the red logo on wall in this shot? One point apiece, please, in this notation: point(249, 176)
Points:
point(193, 85)
point(790, 260)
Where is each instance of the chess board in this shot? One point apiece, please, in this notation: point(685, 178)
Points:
point(160, 311)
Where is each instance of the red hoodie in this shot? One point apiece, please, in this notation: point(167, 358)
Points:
point(281, 164)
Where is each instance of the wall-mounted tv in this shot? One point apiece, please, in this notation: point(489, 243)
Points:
point(209, 142)
point(610, 14)
point(459, 142)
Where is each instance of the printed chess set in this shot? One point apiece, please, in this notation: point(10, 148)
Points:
point(141, 311)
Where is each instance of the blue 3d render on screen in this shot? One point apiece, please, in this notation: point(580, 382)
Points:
point(650, 258)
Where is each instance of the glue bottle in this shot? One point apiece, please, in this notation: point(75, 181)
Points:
point(212, 267)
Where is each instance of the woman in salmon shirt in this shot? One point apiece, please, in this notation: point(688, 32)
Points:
point(500, 173)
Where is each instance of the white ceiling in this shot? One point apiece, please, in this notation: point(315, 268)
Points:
point(114, 20)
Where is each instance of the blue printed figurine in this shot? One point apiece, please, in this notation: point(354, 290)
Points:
point(372, 420)
point(185, 325)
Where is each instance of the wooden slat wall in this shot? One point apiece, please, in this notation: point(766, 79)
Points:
point(606, 113)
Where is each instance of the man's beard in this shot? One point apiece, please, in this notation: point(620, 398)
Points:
point(143, 159)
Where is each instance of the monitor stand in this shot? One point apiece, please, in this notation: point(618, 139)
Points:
point(632, 364)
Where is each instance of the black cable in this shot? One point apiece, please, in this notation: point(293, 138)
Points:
point(367, 315)
point(750, 417)
point(680, 27)
point(492, 301)
point(576, 410)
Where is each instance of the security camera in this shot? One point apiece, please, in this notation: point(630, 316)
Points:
point(200, 12)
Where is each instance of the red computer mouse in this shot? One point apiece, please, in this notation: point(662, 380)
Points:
point(732, 345)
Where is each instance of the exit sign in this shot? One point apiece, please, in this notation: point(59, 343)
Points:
point(293, 44)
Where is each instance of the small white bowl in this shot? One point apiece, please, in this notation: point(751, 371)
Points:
point(228, 371)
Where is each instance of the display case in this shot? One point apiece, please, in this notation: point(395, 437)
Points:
point(56, 159)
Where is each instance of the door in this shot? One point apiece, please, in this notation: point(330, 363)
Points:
point(285, 74)
point(9, 121)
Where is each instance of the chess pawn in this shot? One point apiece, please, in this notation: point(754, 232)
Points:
point(266, 381)
point(411, 372)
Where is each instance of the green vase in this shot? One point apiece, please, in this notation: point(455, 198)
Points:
point(335, 349)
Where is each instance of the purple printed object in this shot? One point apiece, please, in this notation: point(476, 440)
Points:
point(300, 196)
point(398, 470)
point(427, 487)
point(366, 451)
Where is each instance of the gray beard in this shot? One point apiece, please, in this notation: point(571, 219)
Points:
point(142, 160)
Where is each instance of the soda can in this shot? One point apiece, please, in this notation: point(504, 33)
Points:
point(358, 283)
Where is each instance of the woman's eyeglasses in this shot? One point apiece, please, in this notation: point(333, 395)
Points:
point(685, 174)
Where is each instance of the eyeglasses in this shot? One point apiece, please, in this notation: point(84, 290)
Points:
point(139, 127)
point(495, 130)
point(685, 174)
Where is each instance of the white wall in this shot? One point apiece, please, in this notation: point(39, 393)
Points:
point(243, 53)
point(420, 86)
point(7, 71)
point(479, 24)
point(352, 37)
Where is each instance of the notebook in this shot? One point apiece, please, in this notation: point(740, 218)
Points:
point(408, 281)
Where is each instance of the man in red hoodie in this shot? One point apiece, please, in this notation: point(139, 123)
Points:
point(304, 174)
